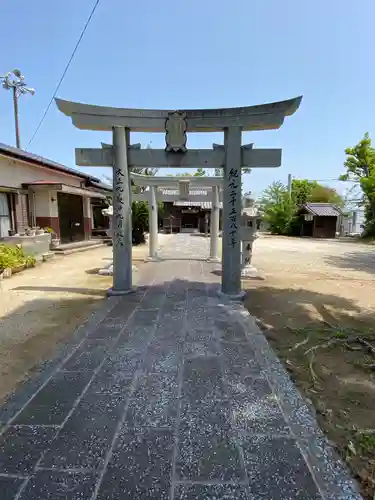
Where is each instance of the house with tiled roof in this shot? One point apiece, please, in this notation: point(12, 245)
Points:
point(319, 220)
point(36, 191)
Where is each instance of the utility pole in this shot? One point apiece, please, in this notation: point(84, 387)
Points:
point(290, 185)
point(16, 121)
point(15, 81)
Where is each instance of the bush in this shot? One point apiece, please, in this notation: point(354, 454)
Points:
point(13, 257)
point(139, 221)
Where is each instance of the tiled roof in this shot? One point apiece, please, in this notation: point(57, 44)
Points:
point(45, 162)
point(322, 209)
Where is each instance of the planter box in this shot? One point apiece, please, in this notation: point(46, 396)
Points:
point(7, 273)
point(32, 245)
point(17, 269)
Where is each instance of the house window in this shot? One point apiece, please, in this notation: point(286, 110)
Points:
point(5, 218)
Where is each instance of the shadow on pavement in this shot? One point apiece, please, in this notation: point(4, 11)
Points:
point(80, 291)
point(359, 261)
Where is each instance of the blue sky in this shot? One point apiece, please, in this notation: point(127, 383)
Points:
point(199, 53)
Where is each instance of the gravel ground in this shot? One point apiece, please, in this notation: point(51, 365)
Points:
point(337, 268)
point(41, 307)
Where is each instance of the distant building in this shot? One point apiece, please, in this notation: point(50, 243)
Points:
point(187, 216)
point(319, 220)
point(353, 223)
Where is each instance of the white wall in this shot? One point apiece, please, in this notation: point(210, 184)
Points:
point(44, 206)
point(14, 173)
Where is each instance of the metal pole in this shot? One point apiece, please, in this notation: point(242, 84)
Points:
point(122, 222)
point(290, 185)
point(232, 205)
point(16, 123)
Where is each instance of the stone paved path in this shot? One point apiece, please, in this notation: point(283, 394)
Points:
point(169, 393)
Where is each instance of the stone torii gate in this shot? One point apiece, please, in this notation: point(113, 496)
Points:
point(185, 186)
point(232, 156)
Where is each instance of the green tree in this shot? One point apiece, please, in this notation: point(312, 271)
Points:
point(360, 168)
point(200, 172)
point(301, 190)
point(324, 194)
point(304, 191)
point(277, 207)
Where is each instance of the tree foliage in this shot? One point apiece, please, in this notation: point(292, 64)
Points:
point(281, 210)
point(277, 207)
point(360, 168)
point(200, 172)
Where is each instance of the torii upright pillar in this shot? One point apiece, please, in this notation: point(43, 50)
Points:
point(231, 261)
point(153, 223)
point(214, 225)
point(122, 219)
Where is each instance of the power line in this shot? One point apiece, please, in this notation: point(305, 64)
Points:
point(65, 71)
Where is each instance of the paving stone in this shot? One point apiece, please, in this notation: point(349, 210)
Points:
point(145, 317)
point(153, 300)
point(123, 359)
point(255, 407)
point(202, 379)
point(161, 358)
point(112, 379)
point(205, 347)
point(259, 416)
point(230, 331)
point(211, 492)
point(22, 447)
point(154, 402)
point(172, 335)
point(87, 435)
point(198, 334)
point(140, 467)
point(47, 485)
point(235, 353)
point(234, 374)
point(121, 312)
point(206, 414)
point(9, 487)
point(53, 403)
point(88, 356)
point(281, 467)
point(241, 385)
point(208, 455)
point(136, 338)
point(106, 331)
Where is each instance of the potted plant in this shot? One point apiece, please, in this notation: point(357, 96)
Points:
point(30, 231)
point(55, 241)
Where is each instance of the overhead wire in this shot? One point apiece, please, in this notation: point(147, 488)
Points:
point(64, 72)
